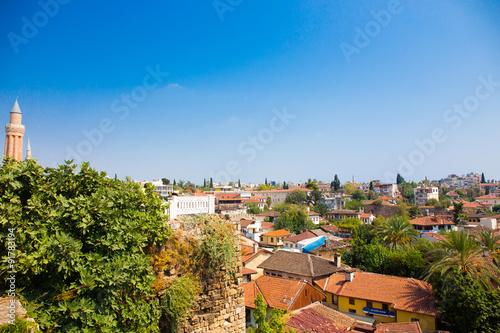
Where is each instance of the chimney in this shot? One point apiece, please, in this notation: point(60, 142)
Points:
point(338, 260)
point(255, 247)
point(349, 276)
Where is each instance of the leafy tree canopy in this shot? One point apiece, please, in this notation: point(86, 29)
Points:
point(297, 196)
point(81, 244)
point(294, 220)
point(253, 208)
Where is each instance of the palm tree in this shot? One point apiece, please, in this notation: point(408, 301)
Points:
point(491, 244)
point(396, 233)
point(460, 252)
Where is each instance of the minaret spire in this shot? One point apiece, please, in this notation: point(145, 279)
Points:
point(28, 150)
point(14, 133)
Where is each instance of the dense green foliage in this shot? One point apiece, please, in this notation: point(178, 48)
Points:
point(370, 255)
point(296, 197)
point(414, 212)
point(294, 220)
point(217, 248)
point(253, 208)
point(462, 253)
point(396, 233)
point(81, 247)
point(353, 204)
point(179, 298)
point(467, 307)
point(321, 208)
point(273, 324)
point(335, 184)
point(19, 326)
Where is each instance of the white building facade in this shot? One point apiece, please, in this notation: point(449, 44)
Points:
point(422, 194)
point(190, 205)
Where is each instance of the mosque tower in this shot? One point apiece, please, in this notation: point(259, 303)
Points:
point(14, 133)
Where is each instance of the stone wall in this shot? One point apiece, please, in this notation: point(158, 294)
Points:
point(220, 306)
point(388, 211)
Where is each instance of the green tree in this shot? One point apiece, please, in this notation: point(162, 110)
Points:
point(431, 202)
point(274, 324)
point(81, 247)
point(379, 220)
point(402, 210)
point(253, 208)
point(321, 208)
point(458, 211)
point(483, 180)
point(473, 192)
point(414, 211)
point(239, 183)
point(396, 233)
point(354, 204)
point(179, 299)
point(165, 181)
point(349, 188)
point(264, 187)
point(400, 179)
point(372, 188)
point(312, 186)
point(359, 195)
point(466, 306)
point(491, 243)
point(496, 208)
point(211, 183)
point(315, 196)
point(294, 220)
point(336, 183)
point(460, 252)
point(297, 196)
point(269, 201)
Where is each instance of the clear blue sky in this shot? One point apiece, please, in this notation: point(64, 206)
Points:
point(362, 81)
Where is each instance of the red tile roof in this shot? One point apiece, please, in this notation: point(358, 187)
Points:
point(430, 221)
point(267, 225)
point(299, 237)
point(245, 223)
point(247, 253)
point(435, 235)
point(489, 196)
point(402, 293)
point(329, 228)
point(249, 201)
point(413, 327)
point(308, 320)
point(281, 232)
point(313, 213)
point(248, 271)
point(278, 293)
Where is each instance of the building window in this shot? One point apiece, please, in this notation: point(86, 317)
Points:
point(352, 311)
point(272, 239)
point(369, 304)
point(415, 319)
point(385, 307)
point(352, 301)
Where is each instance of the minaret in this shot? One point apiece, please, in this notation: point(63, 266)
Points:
point(14, 132)
point(28, 150)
